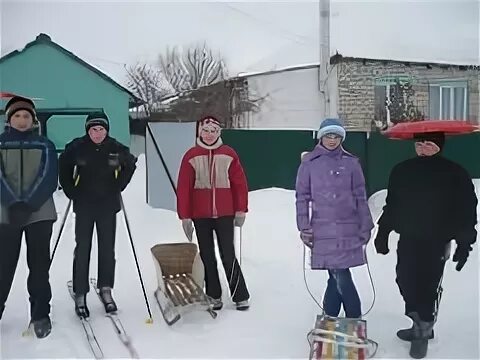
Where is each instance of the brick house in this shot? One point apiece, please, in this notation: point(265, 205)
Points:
point(366, 93)
point(388, 91)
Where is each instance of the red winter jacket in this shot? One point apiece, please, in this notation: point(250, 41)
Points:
point(211, 183)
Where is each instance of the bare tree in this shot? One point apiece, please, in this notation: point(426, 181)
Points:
point(149, 84)
point(188, 70)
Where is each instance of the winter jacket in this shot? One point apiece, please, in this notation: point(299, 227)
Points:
point(28, 174)
point(332, 182)
point(90, 177)
point(431, 198)
point(211, 183)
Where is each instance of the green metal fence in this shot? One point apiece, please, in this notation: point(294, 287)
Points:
point(271, 157)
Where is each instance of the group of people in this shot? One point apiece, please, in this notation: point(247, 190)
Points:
point(430, 202)
point(93, 171)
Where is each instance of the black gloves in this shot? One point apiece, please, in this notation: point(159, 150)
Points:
point(461, 256)
point(381, 242)
point(19, 213)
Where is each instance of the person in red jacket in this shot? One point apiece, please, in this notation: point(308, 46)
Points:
point(212, 195)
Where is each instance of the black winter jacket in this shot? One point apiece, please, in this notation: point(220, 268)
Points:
point(94, 176)
point(431, 198)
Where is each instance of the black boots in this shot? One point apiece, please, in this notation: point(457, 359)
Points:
point(105, 295)
point(418, 335)
point(217, 304)
point(409, 334)
point(107, 300)
point(42, 327)
point(81, 306)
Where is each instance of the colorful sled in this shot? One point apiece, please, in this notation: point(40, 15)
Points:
point(180, 277)
point(407, 130)
point(340, 338)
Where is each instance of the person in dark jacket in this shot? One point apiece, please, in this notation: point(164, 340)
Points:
point(431, 201)
point(28, 179)
point(94, 170)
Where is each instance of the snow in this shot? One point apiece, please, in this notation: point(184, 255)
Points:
point(282, 311)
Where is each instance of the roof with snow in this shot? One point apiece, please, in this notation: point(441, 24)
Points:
point(337, 58)
point(45, 39)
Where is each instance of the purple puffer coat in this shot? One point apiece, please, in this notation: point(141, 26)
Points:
point(333, 183)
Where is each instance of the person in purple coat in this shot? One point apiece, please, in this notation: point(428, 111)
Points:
point(333, 216)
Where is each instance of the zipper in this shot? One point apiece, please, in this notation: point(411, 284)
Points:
point(21, 170)
point(211, 162)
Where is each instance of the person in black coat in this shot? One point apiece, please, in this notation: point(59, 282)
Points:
point(431, 200)
point(94, 170)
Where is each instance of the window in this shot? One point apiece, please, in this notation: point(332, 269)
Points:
point(449, 101)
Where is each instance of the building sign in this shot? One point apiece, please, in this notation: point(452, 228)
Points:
point(393, 79)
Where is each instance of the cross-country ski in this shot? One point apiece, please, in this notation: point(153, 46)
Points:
point(117, 324)
point(88, 329)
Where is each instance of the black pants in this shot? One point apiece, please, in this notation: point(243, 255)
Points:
point(38, 237)
point(419, 272)
point(224, 229)
point(106, 224)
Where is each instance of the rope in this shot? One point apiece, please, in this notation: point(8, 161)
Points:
point(314, 334)
point(368, 269)
point(233, 265)
point(369, 275)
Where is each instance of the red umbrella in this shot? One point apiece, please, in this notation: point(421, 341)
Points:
point(6, 95)
point(407, 130)
point(9, 95)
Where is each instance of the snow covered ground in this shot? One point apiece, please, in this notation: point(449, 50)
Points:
point(282, 311)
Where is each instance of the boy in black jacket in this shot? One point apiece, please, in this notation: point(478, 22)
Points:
point(431, 200)
point(94, 170)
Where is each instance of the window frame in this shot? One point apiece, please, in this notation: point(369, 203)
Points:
point(451, 84)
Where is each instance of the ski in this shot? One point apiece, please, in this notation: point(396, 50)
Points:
point(117, 324)
point(87, 327)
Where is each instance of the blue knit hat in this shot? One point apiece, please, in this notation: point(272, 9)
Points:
point(331, 126)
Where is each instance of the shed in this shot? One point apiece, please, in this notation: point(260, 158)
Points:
point(69, 89)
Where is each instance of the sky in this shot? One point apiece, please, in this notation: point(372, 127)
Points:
point(250, 36)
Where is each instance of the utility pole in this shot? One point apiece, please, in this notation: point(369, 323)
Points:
point(324, 55)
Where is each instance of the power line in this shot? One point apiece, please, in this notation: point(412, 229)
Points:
point(299, 39)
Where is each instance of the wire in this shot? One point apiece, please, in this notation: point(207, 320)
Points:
point(289, 35)
point(369, 274)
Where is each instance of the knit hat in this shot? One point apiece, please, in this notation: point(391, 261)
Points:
point(208, 122)
point(438, 138)
point(97, 119)
point(19, 103)
point(331, 126)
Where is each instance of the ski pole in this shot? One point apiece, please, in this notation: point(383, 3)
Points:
point(150, 320)
point(64, 220)
point(157, 148)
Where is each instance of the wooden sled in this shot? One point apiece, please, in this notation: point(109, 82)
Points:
point(340, 338)
point(180, 277)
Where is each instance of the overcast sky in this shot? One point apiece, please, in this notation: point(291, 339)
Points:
point(251, 36)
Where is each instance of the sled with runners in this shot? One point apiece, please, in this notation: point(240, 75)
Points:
point(180, 277)
point(340, 338)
